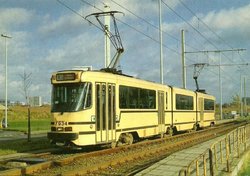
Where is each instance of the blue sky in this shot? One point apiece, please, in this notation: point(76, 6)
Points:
point(47, 37)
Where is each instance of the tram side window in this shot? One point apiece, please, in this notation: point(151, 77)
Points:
point(136, 98)
point(184, 102)
point(208, 104)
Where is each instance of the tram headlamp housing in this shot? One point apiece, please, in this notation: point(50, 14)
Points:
point(93, 118)
point(68, 128)
point(117, 118)
point(59, 129)
point(53, 128)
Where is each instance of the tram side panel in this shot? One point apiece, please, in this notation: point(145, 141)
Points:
point(168, 108)
point(184, 109)
point(138, 110)
point(206, 109)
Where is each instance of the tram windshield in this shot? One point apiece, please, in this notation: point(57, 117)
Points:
point(71, 97)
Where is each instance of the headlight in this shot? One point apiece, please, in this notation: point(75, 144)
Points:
point(59, 128)
point(93, 118)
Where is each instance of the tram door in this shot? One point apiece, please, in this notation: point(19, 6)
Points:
point(105, 112)
point(201, 105)
point(161, 113)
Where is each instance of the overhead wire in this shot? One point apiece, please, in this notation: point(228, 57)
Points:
point(150, 24)
point(135, 29)
point(153, 39)
point(144, 20)
point(204, 23)
point(130, 26)
point(191, 26)
point(209, 28)
point(203, 36)
point(177, 14)
point(77, 13)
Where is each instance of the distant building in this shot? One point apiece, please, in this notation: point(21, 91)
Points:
point(20, 103)
point(46, 103)
point(35, 101)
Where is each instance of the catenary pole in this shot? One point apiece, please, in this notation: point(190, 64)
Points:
point(160, 36)
point(6, 79)
point(245, 98)
point(220, 81)
point(184, 82)
point(241, 103)
point(106, 38)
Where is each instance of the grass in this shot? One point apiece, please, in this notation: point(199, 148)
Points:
point(12, 147)
point(21, 112)
point(246, 167)
point(36, 125)
point(17, 120)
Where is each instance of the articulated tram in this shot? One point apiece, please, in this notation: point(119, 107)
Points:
point(98, 107)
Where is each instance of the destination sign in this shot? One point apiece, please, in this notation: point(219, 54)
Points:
point(65, 76)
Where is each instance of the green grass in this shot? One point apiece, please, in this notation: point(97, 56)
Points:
point(17, 120)
point(11, 147)
point(36, 125)
point(246, 167)
point(21, 112)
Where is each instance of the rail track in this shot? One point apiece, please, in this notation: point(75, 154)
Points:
point(118, 161)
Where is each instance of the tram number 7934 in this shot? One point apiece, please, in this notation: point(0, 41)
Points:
point(61, 123)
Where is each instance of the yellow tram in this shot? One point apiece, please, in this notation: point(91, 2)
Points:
point(98, 107)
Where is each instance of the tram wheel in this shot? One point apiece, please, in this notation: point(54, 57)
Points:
point(125, 138)
point(129, 139)
point(170, 131)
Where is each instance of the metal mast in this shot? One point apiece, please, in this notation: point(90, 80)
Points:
point(184, 82)
point(106, 38)
point(160, 36)
point(220, 81)
point(6, 79)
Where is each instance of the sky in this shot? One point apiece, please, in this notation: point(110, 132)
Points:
point(47, 36)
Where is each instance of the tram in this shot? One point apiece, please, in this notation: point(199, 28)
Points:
point(98, 107)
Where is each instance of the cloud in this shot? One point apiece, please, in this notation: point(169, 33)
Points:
point(149, 8)
point(84, 49)
point(64, 25)
point(13, 17)
point(136, 7)
point(51, 38)
point(227, 19)
point(2, 77)
point(229, 24)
